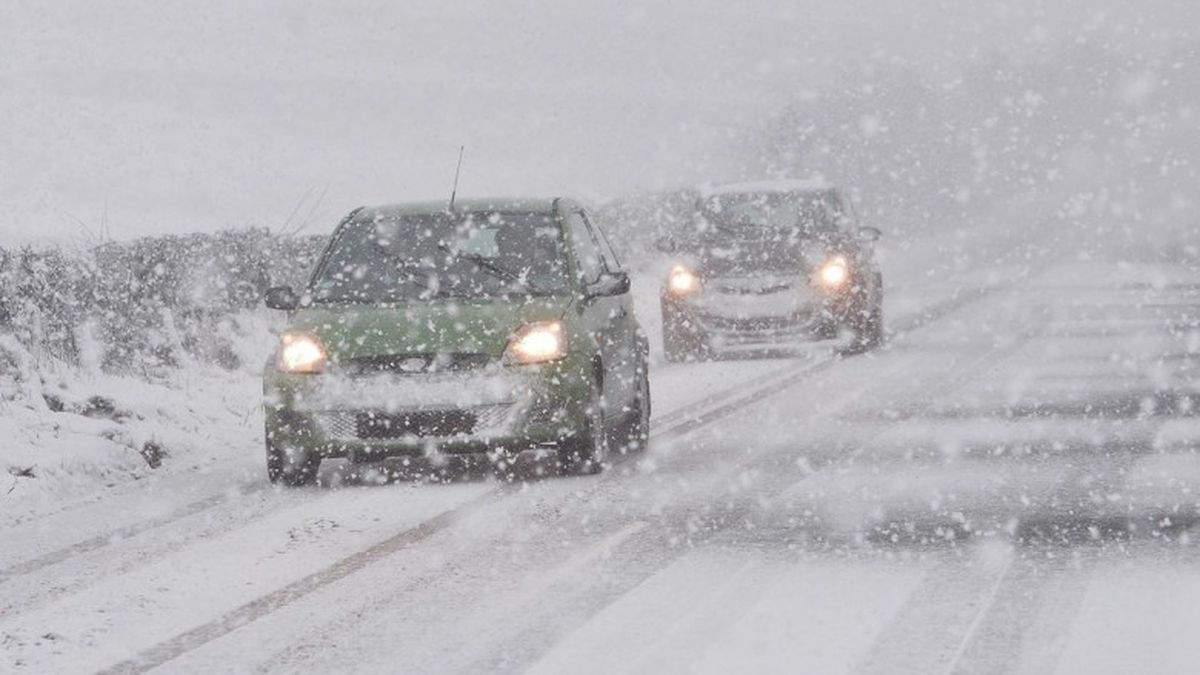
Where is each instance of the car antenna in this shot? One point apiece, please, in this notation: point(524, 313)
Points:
point(454, 189)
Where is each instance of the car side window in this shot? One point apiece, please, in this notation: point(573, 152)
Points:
point(611, 262)
point(588, 257)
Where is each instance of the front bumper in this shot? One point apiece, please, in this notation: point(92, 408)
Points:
point(511, 408)
point(721, 321)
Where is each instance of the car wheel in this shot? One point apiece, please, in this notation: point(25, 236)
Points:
point(870, 334)
point(868, 331)
point(584, 452)
point(827, 329)
point(672, 350)
point(637, 424)
point(291, 467)
point(681, 342)
point(679, 348)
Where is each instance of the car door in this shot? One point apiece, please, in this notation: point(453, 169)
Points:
point(598, 313)
point(624, 364)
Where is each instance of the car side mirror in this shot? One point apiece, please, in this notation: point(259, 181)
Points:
point(282, 297)
point(868, 234)
point(613, 283)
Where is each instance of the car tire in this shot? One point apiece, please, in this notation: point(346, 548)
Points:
point(678, 348)
point(293, 468)
point(584, 452)
point(637, 424)
point(827, 329)
point(869, 331)
point(672, 350)
point(680, 342)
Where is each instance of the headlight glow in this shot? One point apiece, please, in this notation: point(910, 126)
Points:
point(537, 343)
point(301, 354)
point(834, 273)
point(683, 281)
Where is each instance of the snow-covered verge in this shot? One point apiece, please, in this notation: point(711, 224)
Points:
point(131, 358)
point(68, 431)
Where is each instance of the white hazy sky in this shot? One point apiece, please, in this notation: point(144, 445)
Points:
point(158, 117)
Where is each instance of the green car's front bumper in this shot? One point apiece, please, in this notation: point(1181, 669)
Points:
point(511, 407)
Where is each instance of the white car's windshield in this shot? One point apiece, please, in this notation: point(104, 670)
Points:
point(752, 215)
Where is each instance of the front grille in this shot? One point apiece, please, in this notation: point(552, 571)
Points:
point(371, 425)
point(379, 425)
point(759, 289)
point(757, 323)
point(417, 363)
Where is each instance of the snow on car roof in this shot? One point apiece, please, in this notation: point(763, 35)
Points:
point(461, 205)
point(786, 185)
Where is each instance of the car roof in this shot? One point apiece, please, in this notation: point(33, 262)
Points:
point(781, 186)
point(521, 204)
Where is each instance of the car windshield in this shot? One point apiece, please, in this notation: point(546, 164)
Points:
point(766, 214)
point(390, 258)
point(768, 232)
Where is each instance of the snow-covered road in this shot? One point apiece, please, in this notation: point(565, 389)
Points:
point(1009, 486)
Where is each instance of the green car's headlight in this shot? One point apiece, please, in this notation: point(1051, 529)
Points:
point(301, 354)
point(537, 343)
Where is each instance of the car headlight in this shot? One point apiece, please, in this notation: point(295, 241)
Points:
point(834, 272)
point(301, 354)
point(683, 281)
point(537, 343)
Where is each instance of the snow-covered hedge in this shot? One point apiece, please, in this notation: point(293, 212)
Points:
point(141, 306)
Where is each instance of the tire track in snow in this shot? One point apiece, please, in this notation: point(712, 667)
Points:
point(1018, 618)
point(128, 531)
point(1030, 616)
point(780, 491)
point(1022, 627)
point(929, 632)
point(255, 609)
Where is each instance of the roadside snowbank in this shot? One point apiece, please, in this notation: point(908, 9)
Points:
point(69, 432)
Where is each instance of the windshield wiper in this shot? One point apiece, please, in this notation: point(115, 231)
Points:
point(487, 265)
point(412, 277)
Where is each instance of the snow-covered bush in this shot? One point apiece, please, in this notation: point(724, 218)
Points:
point(142, 306)
point(40, 296)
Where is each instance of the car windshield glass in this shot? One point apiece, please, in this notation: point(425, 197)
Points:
point(758, 215)
point(740, 232)
point(390, 258)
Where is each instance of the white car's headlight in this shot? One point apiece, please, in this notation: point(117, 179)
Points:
point(683, 281)
point(834, 272)
point(301, 354)
point(537, 343)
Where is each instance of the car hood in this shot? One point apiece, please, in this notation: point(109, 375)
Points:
point(441, 326)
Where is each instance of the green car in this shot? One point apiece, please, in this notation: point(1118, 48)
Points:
point(498, 327)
